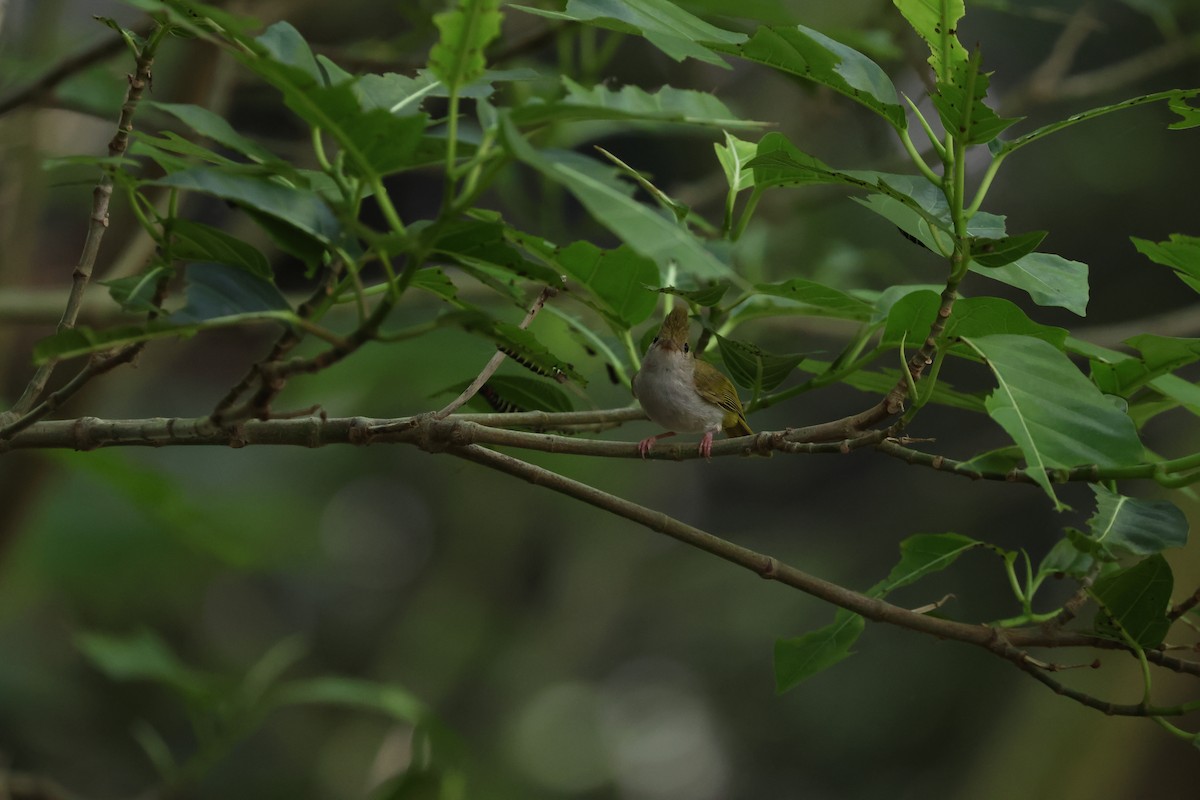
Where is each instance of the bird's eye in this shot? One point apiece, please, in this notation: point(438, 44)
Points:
point(686, 349)
point(655, 340)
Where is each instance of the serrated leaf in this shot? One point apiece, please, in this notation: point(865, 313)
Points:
point(922, 554)
point(936, 21)
point(618, 278)
point(1189, 113)
point(1181, 253)
point(1133, 526)
point(375, 142)
point(820, 300)
point(998, 252)
point(802, 657)
point(479, 243)
point(195, 241)
point(610, 202)
point(1056, 415)
point(665, 25)
point(1136, 599)
point(753, 368)
point(811, 55)
point(465, 31)
point(435, 281)
point(959, 103)
point(668, 104)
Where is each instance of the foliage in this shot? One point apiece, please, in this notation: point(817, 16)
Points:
point(379, 274)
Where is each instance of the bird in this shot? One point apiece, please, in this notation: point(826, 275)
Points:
point(684, 394)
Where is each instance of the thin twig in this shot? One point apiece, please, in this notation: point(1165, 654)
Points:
point(1184, 606)
point(283, 345)
point(98, 224)
point(102, 49)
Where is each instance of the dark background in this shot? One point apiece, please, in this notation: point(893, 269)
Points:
point(575, 654)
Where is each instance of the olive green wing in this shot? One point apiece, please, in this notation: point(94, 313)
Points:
point(713, 386)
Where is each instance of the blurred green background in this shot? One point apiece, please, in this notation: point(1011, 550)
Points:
point(569, 654)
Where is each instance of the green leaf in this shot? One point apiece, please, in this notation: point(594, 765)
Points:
point(1136, 599)
point(618, 278)
point(922, 554)
point(215, 290)
point(1049, 280)
point(752, 367)
point(813, 56)
point(733, 157)
point(215, 127)
point(1056, 415)
point(1067, 559)
point(135, 293)
point(1176, 96)
point(1189, 113)
point(482, 243)
point(984, 316)
point(521, 345)
point(385, 698)
point(959, 102)
point(375, 141)
point(300, 209)
point(707, 296)
point(457, 58)
point(1123, 375)
point(805, 656)
point(665, 25)
point(284, 45)
point(817, 299)
point(936, 21)
point(1137, 527)
point(912, 316)
point(998, 252)
point(610, 203)
point(515, 393)
point(195, 241)
point(668, 104)
point(1180, 253)
point(777, 162)
point(142, 656)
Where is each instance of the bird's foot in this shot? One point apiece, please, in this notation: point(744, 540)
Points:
point(706, 446)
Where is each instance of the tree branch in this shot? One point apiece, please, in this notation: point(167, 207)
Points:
point(105, 48)
point(98, 224)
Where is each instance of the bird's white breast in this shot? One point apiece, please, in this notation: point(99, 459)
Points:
point(666, 389)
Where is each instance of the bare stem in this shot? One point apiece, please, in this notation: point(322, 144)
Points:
point(98, 221)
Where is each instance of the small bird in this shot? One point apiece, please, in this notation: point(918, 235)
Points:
point(684, 394)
